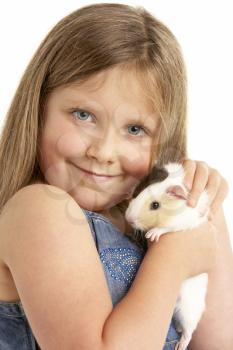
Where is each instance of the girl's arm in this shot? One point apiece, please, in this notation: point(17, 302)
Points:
point(215, 330)
point(141, 319)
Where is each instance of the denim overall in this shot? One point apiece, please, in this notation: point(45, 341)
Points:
point(120, 257)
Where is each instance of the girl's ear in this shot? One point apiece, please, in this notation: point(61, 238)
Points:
point(177, 191)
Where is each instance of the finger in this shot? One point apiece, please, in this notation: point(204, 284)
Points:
point(219, 198)
point(213, 185)
point(199, 184)
point(189, 169)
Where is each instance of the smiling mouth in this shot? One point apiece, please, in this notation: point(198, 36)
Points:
point(97, 178)
point(92, 173)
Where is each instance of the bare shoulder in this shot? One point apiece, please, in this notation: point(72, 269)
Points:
point(37, 206)
point(35, 192)
point(29, 196)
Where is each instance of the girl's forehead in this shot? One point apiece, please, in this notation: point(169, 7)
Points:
point(111, 86)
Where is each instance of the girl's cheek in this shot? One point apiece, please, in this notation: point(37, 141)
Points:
point(71, 145)
point(136, 166)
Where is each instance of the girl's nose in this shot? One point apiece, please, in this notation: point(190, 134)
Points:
point(103, 149)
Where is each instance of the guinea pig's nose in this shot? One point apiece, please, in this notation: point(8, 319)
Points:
point(130, 217)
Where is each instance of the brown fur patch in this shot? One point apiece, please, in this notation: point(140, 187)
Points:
point(157, 174)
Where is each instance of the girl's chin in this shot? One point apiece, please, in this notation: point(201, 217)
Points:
point(93, 200)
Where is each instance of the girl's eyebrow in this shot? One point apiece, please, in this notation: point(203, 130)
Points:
point(82, 103)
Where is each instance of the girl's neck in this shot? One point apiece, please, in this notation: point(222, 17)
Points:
point(117, 218)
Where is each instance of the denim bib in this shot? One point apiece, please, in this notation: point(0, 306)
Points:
point(120, 257)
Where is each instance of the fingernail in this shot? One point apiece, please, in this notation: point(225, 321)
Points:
point(192, 202)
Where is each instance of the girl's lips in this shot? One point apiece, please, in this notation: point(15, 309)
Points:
point(97, 178)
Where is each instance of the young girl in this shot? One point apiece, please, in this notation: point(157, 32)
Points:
point(103, 97)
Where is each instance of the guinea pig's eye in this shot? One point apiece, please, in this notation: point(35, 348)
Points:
point(154, 205)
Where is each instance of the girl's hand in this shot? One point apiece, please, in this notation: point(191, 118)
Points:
point(194, 250)
point(200, 176)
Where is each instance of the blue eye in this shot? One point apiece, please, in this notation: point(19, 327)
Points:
point(83, 114)
point(137, 127)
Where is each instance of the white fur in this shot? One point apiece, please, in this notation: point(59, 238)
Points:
point(191, 299)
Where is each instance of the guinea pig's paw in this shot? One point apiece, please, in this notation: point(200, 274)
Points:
point(183, 343)
point(153, 234)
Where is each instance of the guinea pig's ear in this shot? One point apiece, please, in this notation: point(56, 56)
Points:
point(177, 192)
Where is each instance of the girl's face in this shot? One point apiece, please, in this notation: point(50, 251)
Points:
point(107, 129)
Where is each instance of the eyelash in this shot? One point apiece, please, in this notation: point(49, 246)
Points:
point(138, 125)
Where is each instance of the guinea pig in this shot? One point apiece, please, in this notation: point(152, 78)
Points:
point(159, 205)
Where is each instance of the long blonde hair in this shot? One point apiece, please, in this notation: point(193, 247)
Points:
point(87, 41)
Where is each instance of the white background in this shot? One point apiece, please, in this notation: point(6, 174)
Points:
point(204, 30)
